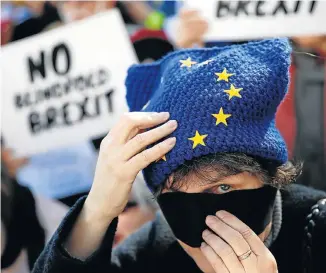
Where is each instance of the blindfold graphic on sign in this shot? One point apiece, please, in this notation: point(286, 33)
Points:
point(66, 85)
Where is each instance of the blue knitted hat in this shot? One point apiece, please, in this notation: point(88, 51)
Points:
point(224, 99)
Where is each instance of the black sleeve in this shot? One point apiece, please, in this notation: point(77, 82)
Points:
point(24, 230)
point(315, 238)
point(55, 259)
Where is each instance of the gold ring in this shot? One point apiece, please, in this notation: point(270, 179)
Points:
point(245, 255)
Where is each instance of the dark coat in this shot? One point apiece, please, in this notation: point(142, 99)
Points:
point(154, 249)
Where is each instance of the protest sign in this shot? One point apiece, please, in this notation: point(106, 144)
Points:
point(245, 20)
point(65, 86)
point(61, 172)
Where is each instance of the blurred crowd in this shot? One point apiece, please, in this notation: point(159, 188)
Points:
point(28, 218)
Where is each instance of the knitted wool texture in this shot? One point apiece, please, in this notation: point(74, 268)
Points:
point(191, 94)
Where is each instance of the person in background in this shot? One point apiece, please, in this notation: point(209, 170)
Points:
point(134, 215)
point(22, 234)
point(41, 172)
point(27, 223)
point(6, 30)
point(42, 14)
point(301, 118)
point(21, 227)
point(71, 11)
point(16, 11)
point(133, 12)
point(186, 28)
point(12, 163)
point(27, 220)
point(315, 43)
point(206, 140)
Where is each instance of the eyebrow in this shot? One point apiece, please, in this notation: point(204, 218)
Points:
point(218, 175)
point(212, 184)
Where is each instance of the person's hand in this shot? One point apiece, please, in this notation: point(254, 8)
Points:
point(123, 155)
point(78, 10)
point(36, 7)
point(233, 247)
point(11, 162)
point(317, 43)
point(191, 27)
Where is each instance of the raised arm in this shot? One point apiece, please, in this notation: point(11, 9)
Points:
point(83, 242)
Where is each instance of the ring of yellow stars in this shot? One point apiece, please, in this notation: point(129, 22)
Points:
point(188, 62)
point(223, 76)
point(233, 92)
point(162, 158)
point(198, 139)
point(221, 117)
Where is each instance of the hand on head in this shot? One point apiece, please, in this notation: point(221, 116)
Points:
point(123, 154)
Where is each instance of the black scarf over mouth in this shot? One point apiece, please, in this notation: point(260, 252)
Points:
point(186, 212)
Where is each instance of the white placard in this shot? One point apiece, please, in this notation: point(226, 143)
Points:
point(65, 86)
point(244, 20)
point(61, 172)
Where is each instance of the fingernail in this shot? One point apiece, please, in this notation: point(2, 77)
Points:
point(221, 213)
point(210, 219)
point(171, 141)
point(203, 244)
point(164, 115)
point(205, 232)
point(172, 124)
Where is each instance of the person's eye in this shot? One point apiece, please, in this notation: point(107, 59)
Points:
point(220, 189)
point(223, 188)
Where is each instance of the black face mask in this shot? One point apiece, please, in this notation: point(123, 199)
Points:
point(186, 212)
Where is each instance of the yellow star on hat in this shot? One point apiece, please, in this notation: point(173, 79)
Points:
point(223, 76)
point(221, 117)
point(198, 139)
point(162, 158)
point(233, 92)
point(188, 62)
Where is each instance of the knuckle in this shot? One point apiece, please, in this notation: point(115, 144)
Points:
point(161, 147)
point(126, 117)
point(140, 139)
point(270, 264)
point(216, 226)
point(209, 237)
point(236, 237)
point(162, 129)
point(145, 156)
point(105, 143)
point(204, 247)
point(226, 251)
point(216, 264)
point(225, 216)
point(246, 233)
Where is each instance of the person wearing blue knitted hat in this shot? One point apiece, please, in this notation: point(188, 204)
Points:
point(202, 129)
